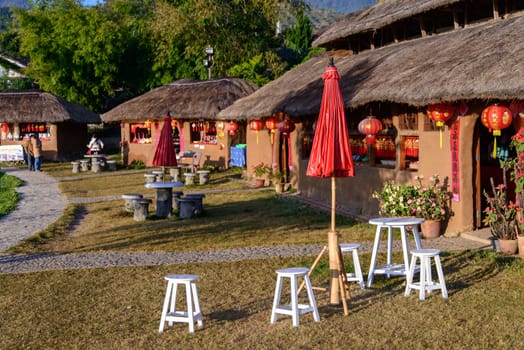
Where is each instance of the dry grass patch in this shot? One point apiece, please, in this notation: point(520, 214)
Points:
point(119, 308)
point(235, 219)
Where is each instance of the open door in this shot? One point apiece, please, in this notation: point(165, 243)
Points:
point(487, 168)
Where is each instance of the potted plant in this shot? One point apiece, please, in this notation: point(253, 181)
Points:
point(393, 199)
point(501, 216)
point(277, 177)
point(260, 170)
point(431, 202)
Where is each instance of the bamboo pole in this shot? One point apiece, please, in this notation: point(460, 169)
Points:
point(334, 261)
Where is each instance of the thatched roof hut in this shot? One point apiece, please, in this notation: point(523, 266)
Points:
point(478, 62)
point(42, 107)
point(383, 14)
point(184, 99)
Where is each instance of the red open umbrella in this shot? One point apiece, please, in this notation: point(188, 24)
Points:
point(165, 149)
point(331, 157)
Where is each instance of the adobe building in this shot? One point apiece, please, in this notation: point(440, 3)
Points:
point(395, 60)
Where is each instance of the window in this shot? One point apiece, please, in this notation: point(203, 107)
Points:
point(141, 132)
point(204, 132)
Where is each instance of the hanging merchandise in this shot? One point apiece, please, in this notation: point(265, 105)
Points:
point(496, 118)
point(440, 113)
point(256, 125)
point(517, 108)
point(286, 127)
point(5, 130)
point(463, 108)
point(232, 127)
point(370, 127)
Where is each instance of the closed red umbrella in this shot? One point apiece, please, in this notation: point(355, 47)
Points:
point(331, 157)
point(165, 149)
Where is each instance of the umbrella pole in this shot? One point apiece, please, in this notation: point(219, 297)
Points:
point(334, 265)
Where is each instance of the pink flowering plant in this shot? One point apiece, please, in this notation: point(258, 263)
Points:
point(433, 199)
point(430, 201)
point(516, 168)
point(501, 214)
point(261, 169)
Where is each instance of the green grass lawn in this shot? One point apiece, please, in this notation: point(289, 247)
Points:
point(119, 308)
point(8, 194)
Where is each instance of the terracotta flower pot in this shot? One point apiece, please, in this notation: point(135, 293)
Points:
point(260, 182)
point(508, 246)
point(520, 241)
point(431, 229)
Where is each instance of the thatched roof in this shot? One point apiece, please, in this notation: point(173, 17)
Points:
point(382, 14)
point(184, 99)
point(481, 62)
point(32, 106)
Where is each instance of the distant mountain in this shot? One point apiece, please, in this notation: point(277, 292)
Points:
point(342, 6)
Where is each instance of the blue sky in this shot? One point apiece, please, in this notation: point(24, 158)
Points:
point(90, 2)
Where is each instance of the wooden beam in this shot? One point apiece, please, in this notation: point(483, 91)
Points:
point(496, 14)
point(456, 24)
point(422, 28)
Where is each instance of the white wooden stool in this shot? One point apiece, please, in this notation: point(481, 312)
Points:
point(426, 282)
point(193, 313)
point(357, 276)
point(294, 309)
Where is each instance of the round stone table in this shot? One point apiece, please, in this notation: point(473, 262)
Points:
point(164, 197)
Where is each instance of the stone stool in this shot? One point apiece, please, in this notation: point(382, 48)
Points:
point(426, 282)
point(95, 166)
point(294, 309)
point(198, 199)
point(84, 165)
point(150, 178)
point(175, 174)
point(141, 209)
point(176, 197)
point(203, 176)
point(169, 312)
point(190, 178)
point(111, 165)
point(186, 208)
point(353, 249)
point(128, 201)
point(76, 167)
point(159, 175)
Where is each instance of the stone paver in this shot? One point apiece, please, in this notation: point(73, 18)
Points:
point(42, 203)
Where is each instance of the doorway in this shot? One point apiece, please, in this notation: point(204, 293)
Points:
point(487, 170)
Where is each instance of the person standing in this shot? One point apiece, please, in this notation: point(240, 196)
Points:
point(95, 145)
point(37, 151)
point(28, 150)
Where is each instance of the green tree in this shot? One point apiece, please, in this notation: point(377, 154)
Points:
point(85, 54)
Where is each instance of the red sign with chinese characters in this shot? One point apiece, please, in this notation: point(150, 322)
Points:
point(455, 166)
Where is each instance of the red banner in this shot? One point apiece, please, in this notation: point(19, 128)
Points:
point(455, 166)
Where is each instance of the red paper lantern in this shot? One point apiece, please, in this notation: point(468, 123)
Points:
point(256, 125)
point(370, 127)
point(496, 118)
point(5, 127)
point(286, 127)
point(271, 124)
point(440, 113)
point(232, 128)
